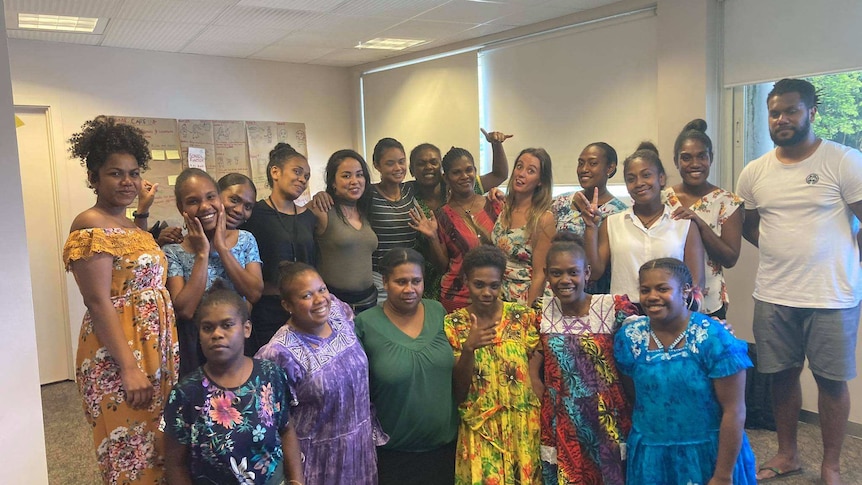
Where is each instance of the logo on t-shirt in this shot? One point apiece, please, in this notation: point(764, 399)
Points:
point(812, 179)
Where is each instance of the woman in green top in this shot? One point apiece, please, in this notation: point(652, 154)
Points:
point(410, 365)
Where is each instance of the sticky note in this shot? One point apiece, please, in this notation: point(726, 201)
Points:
point(172, 154)
point(158, 154)
point(172, 180)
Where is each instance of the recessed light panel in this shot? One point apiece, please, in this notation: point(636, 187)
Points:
point(389, 44)
point(61, 23)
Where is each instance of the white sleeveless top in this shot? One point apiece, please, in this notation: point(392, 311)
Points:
point(632, 245)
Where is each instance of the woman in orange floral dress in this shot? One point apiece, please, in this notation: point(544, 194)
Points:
point(127, 357)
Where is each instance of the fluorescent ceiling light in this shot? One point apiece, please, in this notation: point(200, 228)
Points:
point(61, 23)
point(389, 44)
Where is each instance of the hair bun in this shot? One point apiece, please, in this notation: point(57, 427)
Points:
point(281, 146)
point(695, 125)
point(647, 145)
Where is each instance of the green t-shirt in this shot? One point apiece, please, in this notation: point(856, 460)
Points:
point(410, 379)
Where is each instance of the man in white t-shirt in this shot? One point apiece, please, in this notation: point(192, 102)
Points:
point(803, 202)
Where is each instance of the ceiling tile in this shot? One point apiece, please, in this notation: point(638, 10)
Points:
point(315, 39)
point(358, 27)
point(79, 8)
point(194, 12)
point(65, 37)
point(533, 15)
point(285, 53)
point(257, 18)
point(305, 5)
point(425, 30)
point(352, 57)
point(243, 35)
point(466, 11)
point(224, 49)
point(157, 36)
point(402, 9)
point(576, 5)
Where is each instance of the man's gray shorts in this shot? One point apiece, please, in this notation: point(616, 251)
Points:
point(786, 335)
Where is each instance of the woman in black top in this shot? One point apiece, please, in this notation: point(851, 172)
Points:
point(284, 232)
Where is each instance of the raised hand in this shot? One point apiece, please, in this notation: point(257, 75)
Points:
point(220, 234)
point(479, 336)
point(427, 226)
point(146, 196)
point(322, 201)
point(495, 136)
point(170, 235)
point(589, 209)
point(496, 194)
point(200, 245)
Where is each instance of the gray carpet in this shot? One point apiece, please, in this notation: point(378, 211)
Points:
point(72, 461)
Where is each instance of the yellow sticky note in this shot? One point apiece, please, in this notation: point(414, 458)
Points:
point(172, 154)
point(130, 213)
point(172, 180)
point(158, 154)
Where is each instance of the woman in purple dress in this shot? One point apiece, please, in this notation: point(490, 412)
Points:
point(328, 373)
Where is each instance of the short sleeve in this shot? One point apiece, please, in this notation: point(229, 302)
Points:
point(456, 325)
point(623, 309)
point(177, 421)
point(722, 354)
point(850, 175)
point(250, 251)
point(175, 265)
point(284, 396)
point(276, 352)
point(529, 319)
point(743, 187)
point(623, 354)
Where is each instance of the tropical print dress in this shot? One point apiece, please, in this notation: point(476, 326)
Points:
point(498, 438)
point(714, 208)
point(585, 414)
point(518, 249)
point(129, 445)
point(233, 435)
point(676, 416)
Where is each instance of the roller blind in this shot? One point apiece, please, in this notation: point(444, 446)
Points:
point(434, 101)
point(766, 40)
point(564, 90)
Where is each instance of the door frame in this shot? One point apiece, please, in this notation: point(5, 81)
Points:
point(53, 121)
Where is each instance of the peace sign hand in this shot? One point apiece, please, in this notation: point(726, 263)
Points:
point(495, 136)
point(589, 210)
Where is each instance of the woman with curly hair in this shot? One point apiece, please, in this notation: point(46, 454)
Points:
point(127, 358)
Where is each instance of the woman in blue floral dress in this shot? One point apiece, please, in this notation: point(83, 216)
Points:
point(689, 381)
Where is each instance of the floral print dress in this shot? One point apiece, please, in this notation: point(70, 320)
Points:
point(233, 435)
point(129, 446)
point(518, 249)
point(498, 438)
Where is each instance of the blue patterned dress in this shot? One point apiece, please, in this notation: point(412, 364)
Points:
point(676, 418)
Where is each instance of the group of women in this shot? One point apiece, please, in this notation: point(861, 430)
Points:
point(506, 375)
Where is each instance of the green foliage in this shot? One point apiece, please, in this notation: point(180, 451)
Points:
point(838, 116)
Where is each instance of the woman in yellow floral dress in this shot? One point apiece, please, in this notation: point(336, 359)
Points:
point(495, 379)
point(127, 352)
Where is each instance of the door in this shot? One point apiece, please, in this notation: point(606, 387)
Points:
point(44, 244)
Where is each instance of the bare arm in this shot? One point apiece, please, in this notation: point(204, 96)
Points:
point(856, 207)
point(247, 280)
point(146, 197)
point(292, 458)
point(730, 392)
point(751, 227)
point(596, 244)
point(499, 163)
point(545, 230)
point(187, 294)
point(536, 362)
point(322, 217)
point(428, 228)
point(176, 462)
point(94, 281)
point(693, 256)
point(723, 249)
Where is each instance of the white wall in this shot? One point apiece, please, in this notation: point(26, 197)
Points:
point(23, 446)
point(80, 82)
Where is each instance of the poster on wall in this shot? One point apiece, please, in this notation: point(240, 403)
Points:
point(163, 138)
point(231, 149)
point(199, 134)
point(262, 138)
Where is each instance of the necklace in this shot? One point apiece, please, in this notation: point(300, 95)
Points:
point(283, 226)
point(673, 345)
point(469, 209)
point(649, 222)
